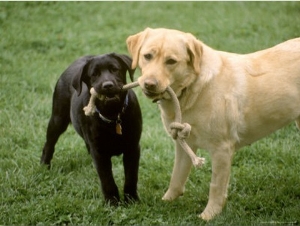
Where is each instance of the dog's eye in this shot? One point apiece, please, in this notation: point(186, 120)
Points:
point(113, 69)
point(148, 56)
point(171, 61)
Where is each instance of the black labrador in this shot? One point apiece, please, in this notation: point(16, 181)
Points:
point(114, 129)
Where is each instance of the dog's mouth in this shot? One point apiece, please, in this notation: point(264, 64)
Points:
point(109, 98)
point(150, 94)
point(155, 96)
point(108, 95)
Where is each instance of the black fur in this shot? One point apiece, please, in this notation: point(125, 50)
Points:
point(107, 74)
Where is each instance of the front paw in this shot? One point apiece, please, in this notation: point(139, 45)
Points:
point(131, 198)
point(112, 201)
point(171, 194)
point(210, 212)
point(112, 198)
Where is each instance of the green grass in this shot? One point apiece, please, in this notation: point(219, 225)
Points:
point(40, 39)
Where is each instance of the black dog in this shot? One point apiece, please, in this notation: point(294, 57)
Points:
point(116, 109)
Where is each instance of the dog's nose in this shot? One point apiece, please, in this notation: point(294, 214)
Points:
point(107, 85)
point(150, 84)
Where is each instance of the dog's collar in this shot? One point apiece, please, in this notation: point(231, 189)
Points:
point(118, 120)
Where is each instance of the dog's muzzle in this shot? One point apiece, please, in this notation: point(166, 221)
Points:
point(150, 89)
point(108, 92)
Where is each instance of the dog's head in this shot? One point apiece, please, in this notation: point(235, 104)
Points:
point(166, 58)
point(106, 73)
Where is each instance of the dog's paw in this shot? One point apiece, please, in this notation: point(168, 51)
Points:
point(205, 216)
point(171, 195)
point(131, 198)
point(113, 201)
point(210, 213)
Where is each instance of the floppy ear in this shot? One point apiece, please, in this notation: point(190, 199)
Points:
point(194, 48)
point(126, 61)
point(79, 71)
point(134, 43)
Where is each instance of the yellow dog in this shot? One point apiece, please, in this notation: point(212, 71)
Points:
point(230, 100)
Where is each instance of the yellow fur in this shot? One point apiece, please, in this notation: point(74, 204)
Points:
point(230, 100)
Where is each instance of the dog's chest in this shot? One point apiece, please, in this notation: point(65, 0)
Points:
point(105, 137)
point(95, 129)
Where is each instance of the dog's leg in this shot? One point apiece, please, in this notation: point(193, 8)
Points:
point(58, 124)
point(221, 166)
point(104, 169)
point(131, 166)
point(87, 147)
point(181, 170)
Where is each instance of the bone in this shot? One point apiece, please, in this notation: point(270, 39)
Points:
point(90, 109)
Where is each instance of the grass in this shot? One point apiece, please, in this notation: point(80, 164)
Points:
point(40, 39)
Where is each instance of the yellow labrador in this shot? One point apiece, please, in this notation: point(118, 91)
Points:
point(230, 100)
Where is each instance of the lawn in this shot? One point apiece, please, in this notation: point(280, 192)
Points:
point(40, 39)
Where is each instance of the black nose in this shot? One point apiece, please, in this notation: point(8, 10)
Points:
point(107, 85)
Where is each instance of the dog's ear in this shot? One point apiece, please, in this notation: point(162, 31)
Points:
point(126, 61)
point(194, 48)
point(79, 70)
point(134, 43)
